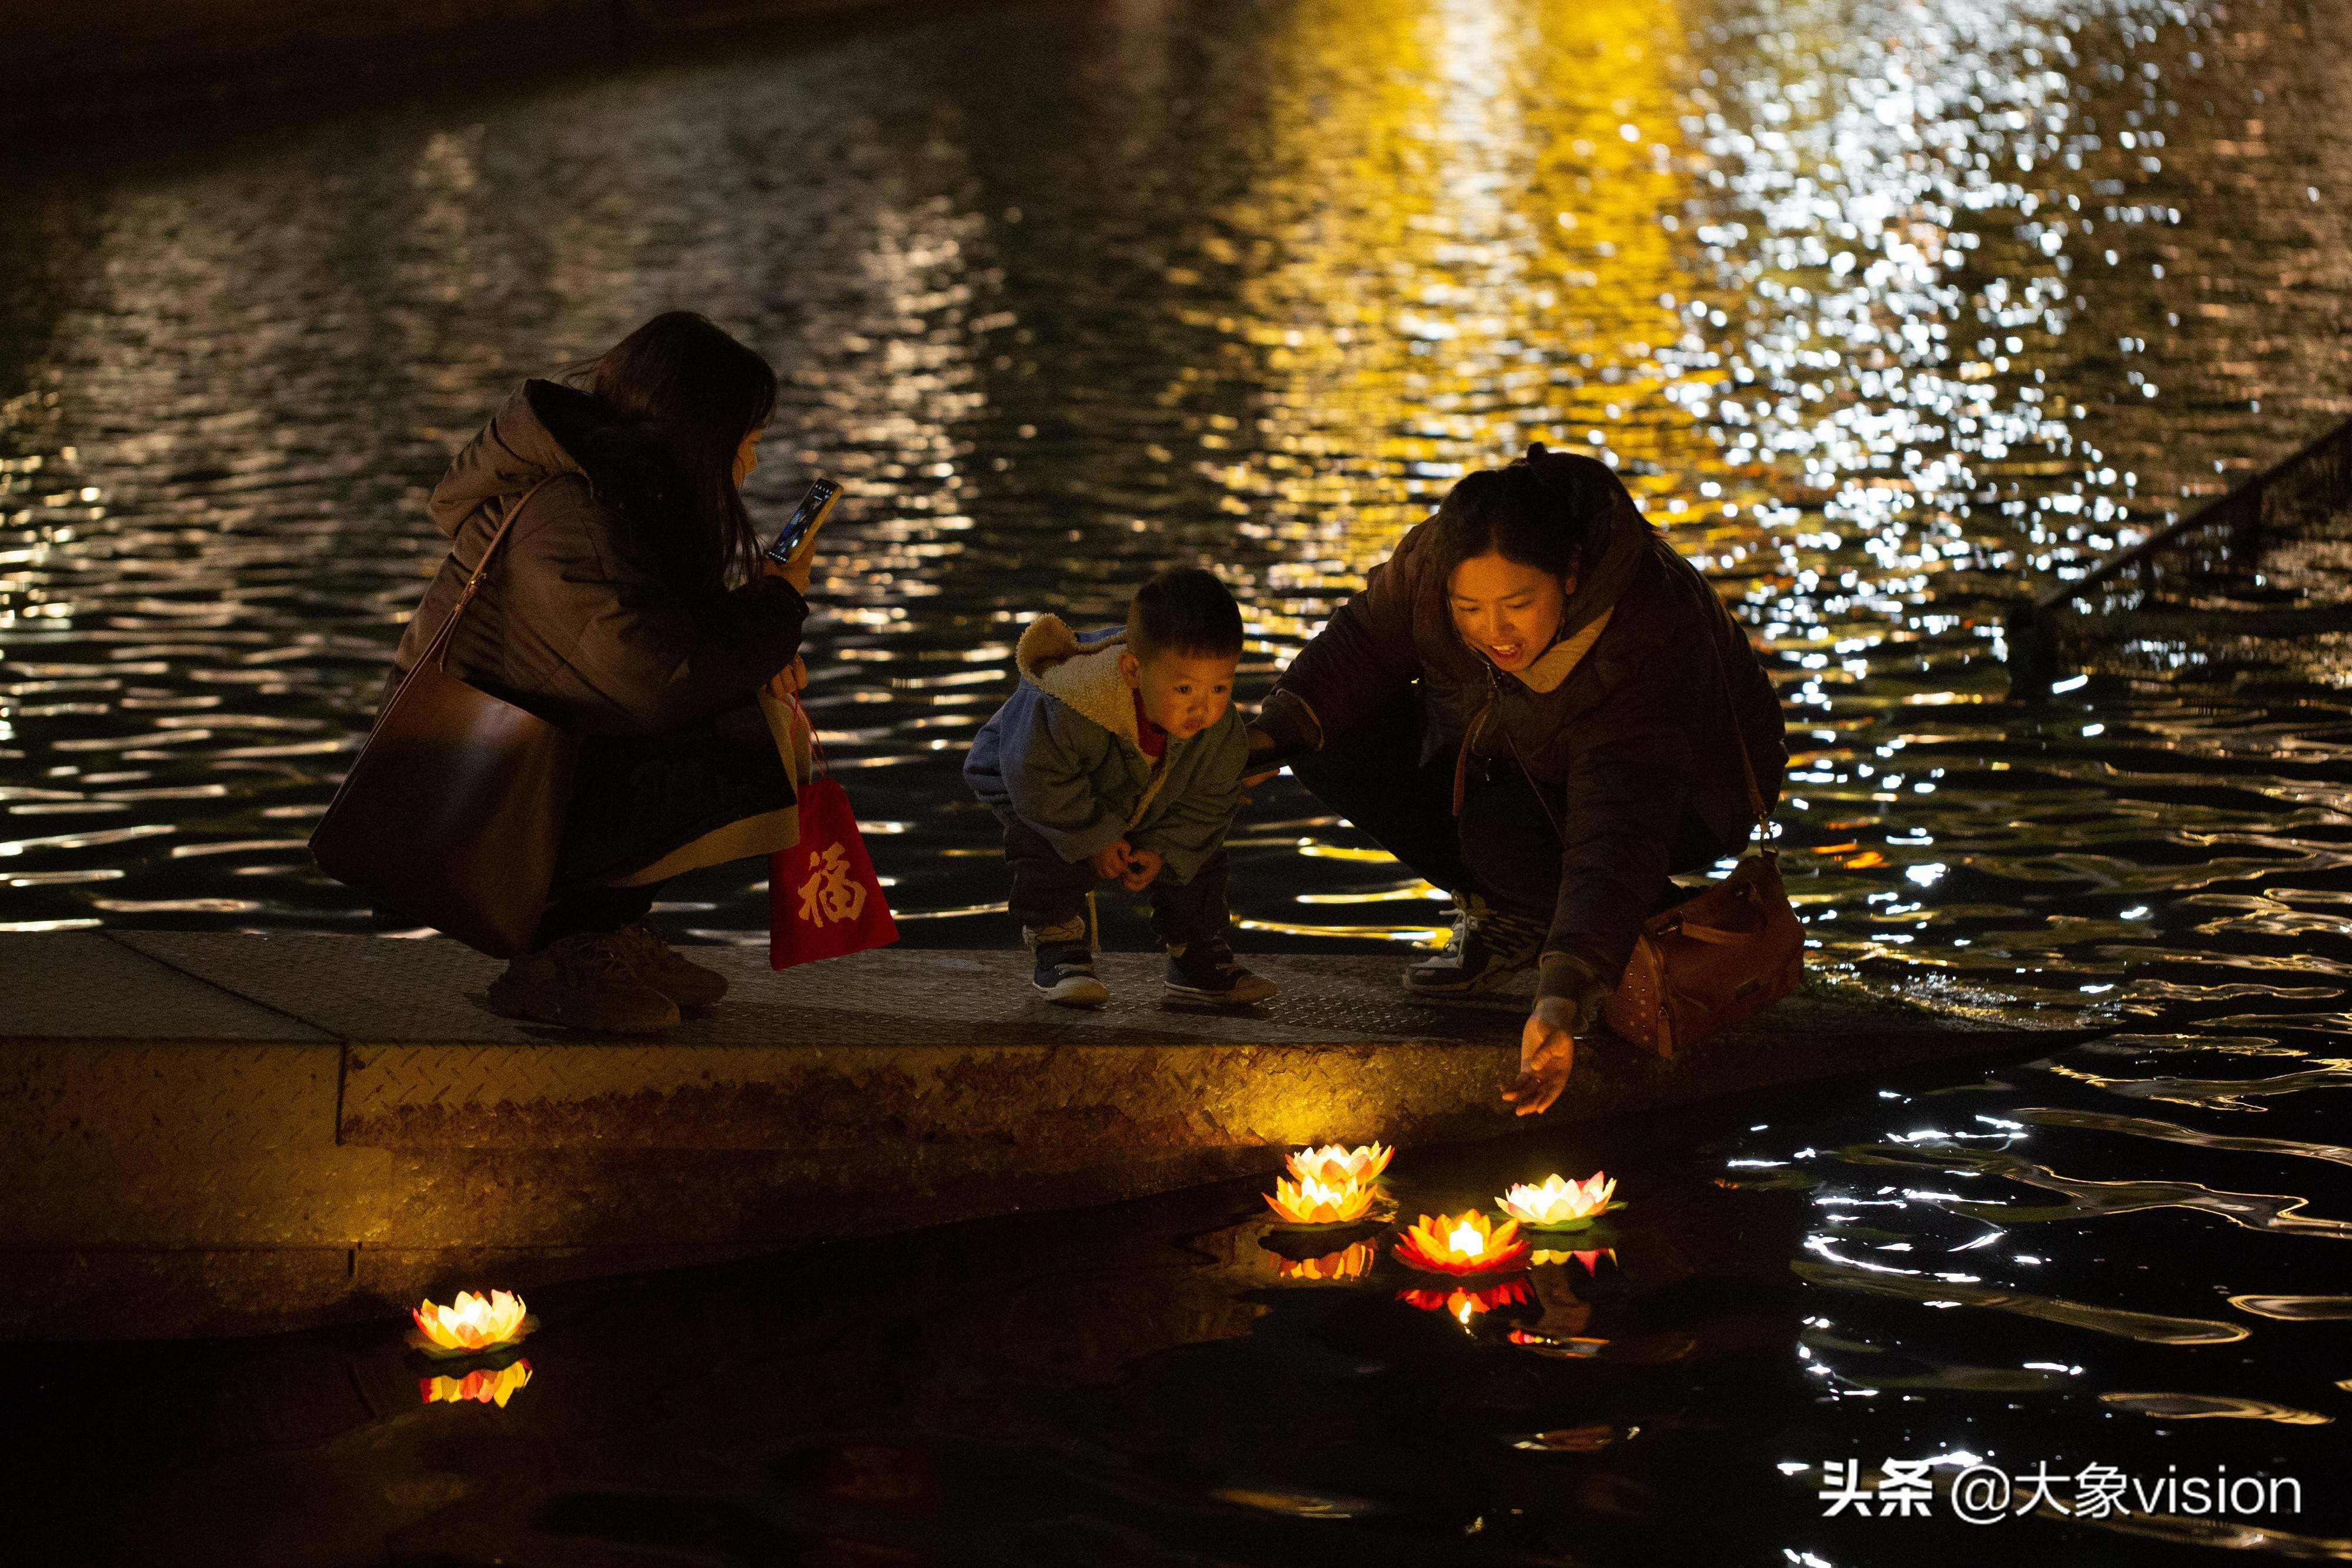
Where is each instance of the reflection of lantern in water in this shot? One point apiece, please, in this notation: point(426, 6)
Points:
point(481, 1385)
point(1559, 1204)
point(1311, 1202)
point(1349, 1263)
point(470, 1323)
point(1461, 1244)
point(1334, 1167)
point(1591, 1260)
point(1465, 1304)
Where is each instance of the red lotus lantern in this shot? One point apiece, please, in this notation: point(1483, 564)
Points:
point(1461, 1244)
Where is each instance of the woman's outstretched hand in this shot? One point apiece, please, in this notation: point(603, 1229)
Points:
point(1547, 1051)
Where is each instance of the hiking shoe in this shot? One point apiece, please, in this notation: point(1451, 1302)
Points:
point(582, 982)
point(1489, 946)
point(1206, 972)
point(658, 965)
point(1064, 975)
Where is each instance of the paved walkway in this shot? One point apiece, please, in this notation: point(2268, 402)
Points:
point(216, 1132)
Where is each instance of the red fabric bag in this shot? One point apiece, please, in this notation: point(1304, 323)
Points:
point(824, 899)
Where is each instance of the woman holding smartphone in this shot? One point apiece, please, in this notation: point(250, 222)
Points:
point(631, 606)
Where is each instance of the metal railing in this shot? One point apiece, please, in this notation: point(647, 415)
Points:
point(2221, 544)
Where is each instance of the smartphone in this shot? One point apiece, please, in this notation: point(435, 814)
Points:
point(806, 518)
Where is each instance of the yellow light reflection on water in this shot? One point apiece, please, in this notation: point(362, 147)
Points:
point(1466, 255)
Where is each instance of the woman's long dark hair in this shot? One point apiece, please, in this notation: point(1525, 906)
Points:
point(695, 392)
point(1542, 510)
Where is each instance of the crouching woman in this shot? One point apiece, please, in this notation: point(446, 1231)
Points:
point(608, 612)
point(1537, 704)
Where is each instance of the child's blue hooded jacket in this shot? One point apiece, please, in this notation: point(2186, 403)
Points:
point(1063, 755)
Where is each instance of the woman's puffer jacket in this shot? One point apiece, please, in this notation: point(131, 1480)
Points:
point(571, 623)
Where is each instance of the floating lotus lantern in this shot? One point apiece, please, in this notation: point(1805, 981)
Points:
point(1465, 1304)
point(1559, 1204)
point(1332, 1164)
point(480, 1386)
point(470, 1324)
point(1349, 1263)
point(1310, 1201)
point(1461, 1244)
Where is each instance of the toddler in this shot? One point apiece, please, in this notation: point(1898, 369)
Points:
point(1119, 756)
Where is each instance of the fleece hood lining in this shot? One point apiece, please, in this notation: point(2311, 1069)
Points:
point(1082, 675)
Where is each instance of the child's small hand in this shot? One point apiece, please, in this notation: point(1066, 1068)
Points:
point(1142, 865)
point(1111, 860)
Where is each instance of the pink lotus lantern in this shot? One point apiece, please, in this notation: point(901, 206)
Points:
point(1461, 1244)
point(1333, 1165)
point(470, 1324)
point(1559, 1204)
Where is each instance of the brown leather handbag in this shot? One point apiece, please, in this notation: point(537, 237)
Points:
point(453, 809)
point(1717, 958)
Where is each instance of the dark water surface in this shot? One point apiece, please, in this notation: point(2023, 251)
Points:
point(1163, 1383)
point(1886, 311)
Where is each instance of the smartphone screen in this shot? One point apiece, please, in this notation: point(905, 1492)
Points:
point(803, 521)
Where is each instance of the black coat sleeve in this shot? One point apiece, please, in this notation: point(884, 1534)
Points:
point(1627, 786)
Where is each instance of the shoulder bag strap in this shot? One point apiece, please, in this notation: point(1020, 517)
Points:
point(437, 652)
point(438, 649)
point(1756, 806)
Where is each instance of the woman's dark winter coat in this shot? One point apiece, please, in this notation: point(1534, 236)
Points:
point(577, 622)
point(1636, 736)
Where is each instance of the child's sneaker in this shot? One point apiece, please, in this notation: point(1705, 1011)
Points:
point(1206, 972)
point(1065, 976)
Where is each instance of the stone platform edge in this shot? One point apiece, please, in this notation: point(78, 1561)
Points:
point(222, 1134)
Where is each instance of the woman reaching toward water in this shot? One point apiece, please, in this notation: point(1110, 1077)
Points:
point(1537, 705)
point(608, 612)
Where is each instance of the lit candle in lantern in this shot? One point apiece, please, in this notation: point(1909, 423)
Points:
point(1308, 1201)
point(470, 1324)
point(480, 1386)
point(1559, 1204)
point(1461, 1244)
point(1332, 1164)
